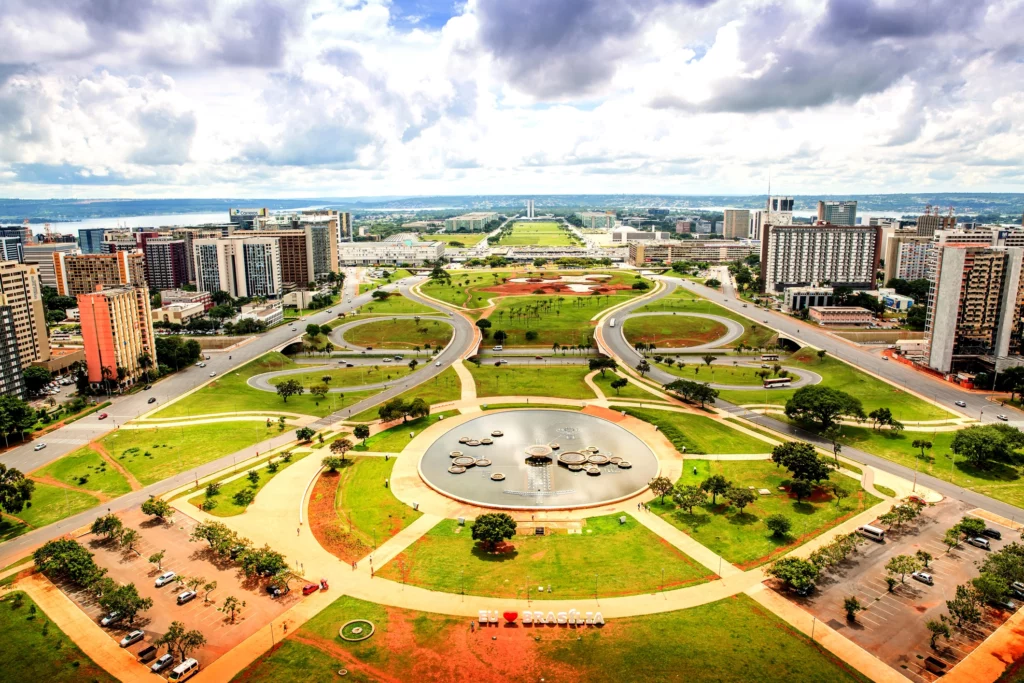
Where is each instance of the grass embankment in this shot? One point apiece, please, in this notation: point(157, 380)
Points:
point(225, 498)
point(672, 331)
point(736, 375)
point(86, 469)
point(539, 234)
point(684, 301)
point(719, 641)
point(621, 559)
point(563, 319)
point(468, 239)
point(396, 304)
point(691, 433)
point(742, 537)
point(443, 387)
point(628, 391)
point(401, 333)
point(396, 438)
point(51, 504)
point(348, 377)
point(558, 381)
point(230, 393)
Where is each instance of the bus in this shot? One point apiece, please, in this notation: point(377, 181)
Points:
point(777, 382)
point(612, 323)
point(769, 356)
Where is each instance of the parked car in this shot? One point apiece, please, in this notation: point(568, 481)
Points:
point(152, 399)
point(147, 653)
point(993, 533)
point(277, 591)
point(162, 663)
point(186, 596)
point(133, 637)
point(39, 447)
point(1017, 590)
point(1004, 603)
point(111, 618)
point(962, 404)
point(538, 357)
point(164, 579)
point(979, 542)
point(310, 588)
point(923, 577)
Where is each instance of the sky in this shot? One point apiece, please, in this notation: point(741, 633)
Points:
point(343, 98)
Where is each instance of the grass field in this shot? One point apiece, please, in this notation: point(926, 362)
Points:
point(11, 527)
point(230, 393)
point(738, 375)
point(873, 393)
point(226, 506)
point(443, 387)
point(401, 333)
point(392, 276)
point(348, 377)
point(155, 454)
point(396, 304)
point(466, 286)
point(86, 469)
point(558, 381)
point(468, 239)
point(673, 331)
point(741, 537)
point(53, 503)
point(698, 434)
point(539, 234)
point(561, 319)
point(396, 438)
point(720, 641)
point(621, 559)
point(35, 649)
point(683, 301)
point(628, 391)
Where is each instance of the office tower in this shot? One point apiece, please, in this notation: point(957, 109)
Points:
point(12, 383)
point(345, 227)
point(529, 208)
point(81, 273)
point(90, 240)
point(932, 221)
point(117, 330)
point(165, 263)
point(245, 219)
point(41, 255)
point(780, 210)
point(838, 212)
point(308, 253)
point(736, 224)
point(801, 255)
point(758, 219)
point(11, 249)
point(241, 265)
point(974, 315)
point(21, 292)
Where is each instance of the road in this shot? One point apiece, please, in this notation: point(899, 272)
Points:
point(806, 334)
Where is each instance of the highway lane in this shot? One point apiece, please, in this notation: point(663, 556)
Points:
point(629, 356)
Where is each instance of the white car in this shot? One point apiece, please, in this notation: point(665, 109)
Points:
point(437, 364)
point(387, 360)
point(923, 577)
point(162, 663)
point(39, 446)
point(213, 374)
point(960, 403)
point(185, 596)
point(165, 579)
point(133, 637)
point(110, 619)
point(1002, 417)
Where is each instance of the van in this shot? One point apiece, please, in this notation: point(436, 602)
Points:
point(499, 347)
point(184, 671)
point(872, 532)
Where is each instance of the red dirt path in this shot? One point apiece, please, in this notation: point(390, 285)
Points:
point(329, 531)
point(523, 288)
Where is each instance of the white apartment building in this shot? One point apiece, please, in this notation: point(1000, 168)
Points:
point(800, 255)
point(389, 253)
point(241, 265)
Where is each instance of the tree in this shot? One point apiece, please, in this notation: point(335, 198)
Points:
point(189, 642)
point(796, 573)
point(923, 444)
point(304, 433)
point(493, 528)
point(964, 607)
point(778, 524)
point(500, 336)
point(823, 405)
point(984, 443)
point(36, 377)
point(231, 606)
point(244, 497)
point(990, 587)
point(802, 460)
point(109, 525)
point(643, 367)
point(128, 539)
point(902, 565)
point(1007, 563)
point(938, 627)
point(361, 432)
point(156, 507)
point(340, 447)
point(320, 390)
point(207, 589)
point(838, 492)
point(157, 558)
point(661, 486)
point(126, 601)
point(602, 364)
point(688, 496)
point(715, 485)
point(254, 477)
point(618, 384)
point(65, 559)
point(171, 637)
point(712, 282)
point(262, 562)
point(951, 539)
point(740, 497)
point(15, 489)
point(971, 526)
point(288, 388)
point(851, 606)
point(801, 488)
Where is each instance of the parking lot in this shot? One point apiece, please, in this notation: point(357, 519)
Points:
point(186, 559)
point(893, 625)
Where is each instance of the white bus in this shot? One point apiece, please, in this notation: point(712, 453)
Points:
point(769, 356)
point(184, 671)
point(777, 382)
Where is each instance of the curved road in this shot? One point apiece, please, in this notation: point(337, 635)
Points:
point(734, 331)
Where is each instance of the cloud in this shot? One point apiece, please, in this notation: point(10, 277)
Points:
point(70, 174)
point(168, 136)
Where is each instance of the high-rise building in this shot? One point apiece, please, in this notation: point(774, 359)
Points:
point(913, 258)
point(166, 263)
point(21, 292)
point(41, 255)
point(780, 211)
point(308, 253)
point(11, 249)
point(241, 265)
point(932, 221)
point(736, 224)
point(81, 273)
point(802, 255)
point(90, 240)
point(529, 208)
point(245, 219)
point(189, 236)
point(117, 331)
point(838, 212)
point(974, 307)
point(12, 383)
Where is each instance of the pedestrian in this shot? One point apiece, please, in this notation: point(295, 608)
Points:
point(386, 457)
point(385, 482)
point(353, 565)
point(298, 530)
point(472, 626)
point(285, 628)
point(694, 470)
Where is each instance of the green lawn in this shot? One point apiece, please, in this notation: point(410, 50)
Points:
point(303, 312)
point(619, 559)
point(742, 538)
point(726, 640)
point(541, 234)
point(558, 381)
point(396, 304)
point(401, 333)
point(557, 319)
point(628, 391)
point(441, 388)
point(348, 377)
point(394, 439)
point(392, 276)
point(672, 331)
point(29, 654)
point(226, 506)
point(468, 239)
point(86, 469)
point(873, 393)
point(462, 289)
point(152, 455)
point(11, 528)
point(230, 393)
point(53, 503)
point(696, 433)
point(738, 375)
point(683, 301)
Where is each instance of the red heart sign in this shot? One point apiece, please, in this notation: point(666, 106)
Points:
point(510, 616)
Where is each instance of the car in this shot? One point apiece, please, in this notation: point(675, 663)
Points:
point(39, 447)
point(207, 356)
point(744, 305)
point(133, 637)
point(350, 365)
point(102, 416)
point(213, 374)
point(202, 365)
point(1002, 417)
point(1017, 590)
point(165, 579)
point(979, 542)
point(499, 347)
point(152, 399)
point(1004, 603)
point(804, 591)
point(147, 387)
point(992, 533)
point(310, 588)
point(277, 591)
point(162, 663)
point(330, 310)
point(538, 357)
point(199, 365)
point(923, 577)
point(917, 499)
point(502, 362)
point(387, 359)
point(437, 364)
point(962, 404)
point(369, 348)
point(111, 618)
point(186, 596)
point(399, 357)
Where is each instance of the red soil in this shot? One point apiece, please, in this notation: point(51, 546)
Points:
point(522, 288)
point(328, 529)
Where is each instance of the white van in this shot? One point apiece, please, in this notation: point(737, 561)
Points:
point(499, 347)
point(184, 671)
point(872, 532)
